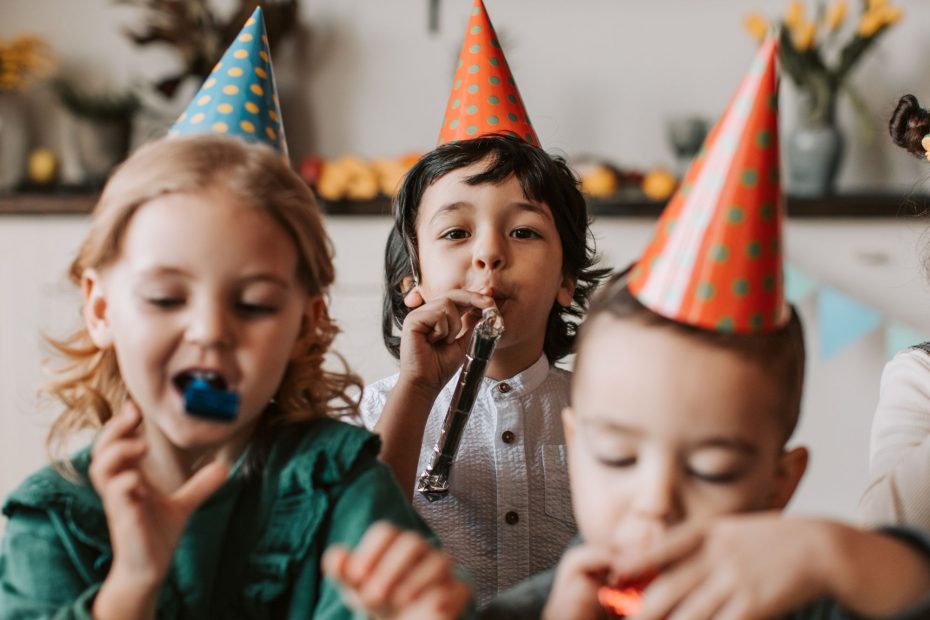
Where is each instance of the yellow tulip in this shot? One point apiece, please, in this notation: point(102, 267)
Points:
point(795, 15)
point(803, 36)
point(870, 23)
point(836, 14)
point(875, 4)
point(890, 15)
point(756, 25)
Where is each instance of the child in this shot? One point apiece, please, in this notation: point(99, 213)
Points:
point(899, 491)
point(654, 483)
point(486, 219)
point(206, 260)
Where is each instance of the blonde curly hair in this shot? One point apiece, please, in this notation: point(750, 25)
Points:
point(89, 383)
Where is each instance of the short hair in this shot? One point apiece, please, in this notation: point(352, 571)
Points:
point(780, 352)
point(544, 178)
point(90, 385)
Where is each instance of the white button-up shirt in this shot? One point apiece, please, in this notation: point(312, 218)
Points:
point(508, 514)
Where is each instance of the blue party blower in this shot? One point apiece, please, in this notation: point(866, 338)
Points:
point(203, 400)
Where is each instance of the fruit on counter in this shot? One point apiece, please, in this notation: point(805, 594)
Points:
point(351, 177)
point(390, 173)
point(42, 166)
point(311, 167)
point(659, 184)
point(599, 181)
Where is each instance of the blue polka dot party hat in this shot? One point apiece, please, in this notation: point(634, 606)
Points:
point(239, 98)
point(715, 260)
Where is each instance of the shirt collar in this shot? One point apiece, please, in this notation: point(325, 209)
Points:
point(524, 381)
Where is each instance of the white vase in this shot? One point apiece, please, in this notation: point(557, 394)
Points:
point(14, 140)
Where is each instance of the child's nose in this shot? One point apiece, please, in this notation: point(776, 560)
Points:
point(489, 252)
point(209, 326)
point(658, 496)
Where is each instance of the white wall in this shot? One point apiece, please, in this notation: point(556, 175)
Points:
point(598, 76)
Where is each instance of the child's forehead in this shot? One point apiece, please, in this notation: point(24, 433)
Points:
point(461, 188)
point(632, 375)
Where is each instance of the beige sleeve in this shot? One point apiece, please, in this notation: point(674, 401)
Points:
point(899, 488)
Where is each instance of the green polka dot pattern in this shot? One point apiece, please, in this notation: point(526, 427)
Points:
point(490, 101)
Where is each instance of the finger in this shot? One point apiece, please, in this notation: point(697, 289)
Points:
point(335, 561)
point(413, 298)
point(394, 566)
point(115, 458)
point(588, 560)
point(466, 299)
point(120, 425)
point(675, 545)
point(369, 551)
point(446, 602)
point(428, 567)
point(704, 601)
point(127, 488)
point(199, 487)
point(431, 321)
point(669, 589)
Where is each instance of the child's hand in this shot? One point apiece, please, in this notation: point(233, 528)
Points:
point(581, 571)
point(434, 339)
point(395, 574)
point(144, 524)
point(764, 566)
point(737, 567)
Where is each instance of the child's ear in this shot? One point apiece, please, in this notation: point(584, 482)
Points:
point(94, 310)
point(791, 467)
point(566, 292)
point(407, 285)
point(314, 312)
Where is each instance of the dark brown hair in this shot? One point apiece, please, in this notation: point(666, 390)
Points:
point(909, 124)
point(544, 178)
point(780, 353)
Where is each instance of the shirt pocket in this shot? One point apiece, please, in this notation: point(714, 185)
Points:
point(558, 497)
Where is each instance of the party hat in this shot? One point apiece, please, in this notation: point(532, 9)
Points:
point(715, 261)
point(484, 98)
point(239, 98)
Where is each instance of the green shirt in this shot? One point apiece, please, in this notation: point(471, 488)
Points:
point(252, 550)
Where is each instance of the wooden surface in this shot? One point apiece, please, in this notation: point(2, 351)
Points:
point(876, 205)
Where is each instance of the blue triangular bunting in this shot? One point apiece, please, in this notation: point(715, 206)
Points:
point(899, 337)
point(842, 321)
point(798, 285)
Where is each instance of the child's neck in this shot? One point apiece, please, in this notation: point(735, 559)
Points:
point(167, 466)
point(507, 362)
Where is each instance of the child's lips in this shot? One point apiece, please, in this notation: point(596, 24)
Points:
point(214, 377)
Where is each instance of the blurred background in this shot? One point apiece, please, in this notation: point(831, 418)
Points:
point(625, 90)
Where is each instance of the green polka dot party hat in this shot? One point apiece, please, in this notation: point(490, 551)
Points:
point(715, 260)
point(484, 98)
point(239, 98)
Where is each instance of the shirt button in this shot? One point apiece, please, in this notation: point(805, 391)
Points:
point(503, 388)
point(507, 436)
point(511, 518)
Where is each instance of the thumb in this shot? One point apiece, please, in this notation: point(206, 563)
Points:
point(201, 486)
point(335, 561)
point(413, 298)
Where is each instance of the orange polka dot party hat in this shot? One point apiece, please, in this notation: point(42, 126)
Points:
point(715, 260)
point(239, 98)
point(484, 98)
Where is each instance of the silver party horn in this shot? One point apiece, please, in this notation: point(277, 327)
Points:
point(433, 483)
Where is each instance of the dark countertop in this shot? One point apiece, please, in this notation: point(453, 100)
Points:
point(867, 205)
